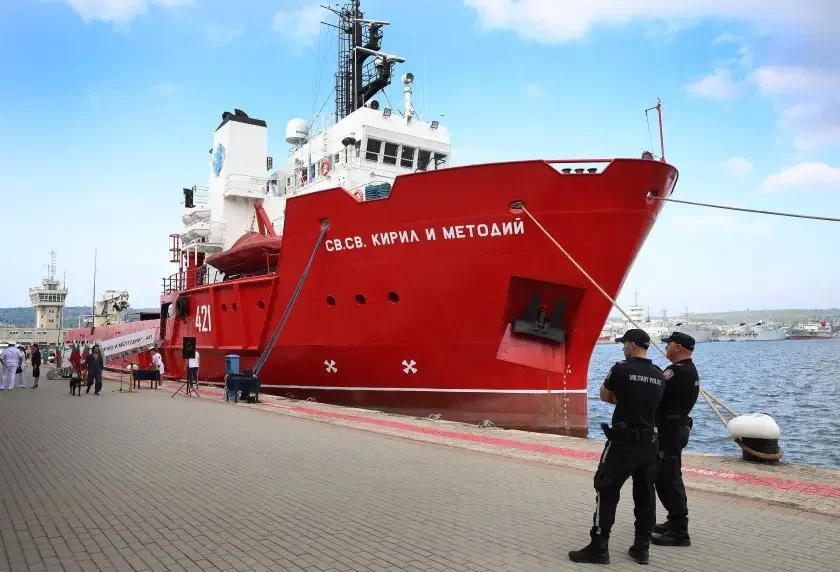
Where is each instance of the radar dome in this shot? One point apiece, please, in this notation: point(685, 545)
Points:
point(297, 131)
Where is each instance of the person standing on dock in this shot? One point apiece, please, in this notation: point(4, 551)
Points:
point(36, 364)
point(192, 369)
point(21, 370)
point(157, 361)
point(11, 359)
point(94, 364)
point(682, 386)
point(635, 387)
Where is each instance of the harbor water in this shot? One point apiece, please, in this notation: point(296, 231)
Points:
point(797, 382)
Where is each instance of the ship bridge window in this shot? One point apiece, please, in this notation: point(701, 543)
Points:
point(373, 148)
point(407, 158)
point(423, 159)
point(390, 156)
point(440, 160)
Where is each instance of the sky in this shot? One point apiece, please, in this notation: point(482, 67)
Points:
point(107, 109)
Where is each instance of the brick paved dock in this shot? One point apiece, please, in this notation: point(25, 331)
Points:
point(145, 482)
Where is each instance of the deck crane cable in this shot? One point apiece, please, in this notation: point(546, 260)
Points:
point(725, 207)
point(711, 399)
point(271, 341)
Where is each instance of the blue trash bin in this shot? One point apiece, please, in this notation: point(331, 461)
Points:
point(231, 363)
point(231, 366)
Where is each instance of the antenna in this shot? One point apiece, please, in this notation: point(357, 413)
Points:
point(358, 80)
point(52, 265)
point(658, 108)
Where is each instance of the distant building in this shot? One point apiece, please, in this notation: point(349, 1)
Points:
point(48, 300)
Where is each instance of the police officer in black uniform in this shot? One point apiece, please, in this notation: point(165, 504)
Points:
point(682, 386)
point(635, 386)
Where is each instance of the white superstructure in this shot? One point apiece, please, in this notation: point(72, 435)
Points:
point(361, 147)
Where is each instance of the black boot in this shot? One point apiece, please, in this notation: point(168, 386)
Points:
point(671, 537)
point(662, 528)
point(640, 549)
point(596, 552)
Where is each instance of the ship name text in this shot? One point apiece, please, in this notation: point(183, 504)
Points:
point(451, 232)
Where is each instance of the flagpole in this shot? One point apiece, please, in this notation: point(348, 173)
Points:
point(93, 298)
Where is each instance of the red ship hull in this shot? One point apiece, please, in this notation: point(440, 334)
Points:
point(409, 302)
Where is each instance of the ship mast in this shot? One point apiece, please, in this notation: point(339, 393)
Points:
point(358, 80)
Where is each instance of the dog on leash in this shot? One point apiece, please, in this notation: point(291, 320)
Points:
point(75, 382)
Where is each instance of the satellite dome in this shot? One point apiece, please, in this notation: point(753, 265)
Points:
point(297, 131)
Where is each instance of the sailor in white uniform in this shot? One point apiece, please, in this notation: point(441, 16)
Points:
point(157, 360)
point(22, 367)
point(11, 359)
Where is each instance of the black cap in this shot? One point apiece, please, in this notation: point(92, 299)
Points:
point(684, 340)
point(638, 337)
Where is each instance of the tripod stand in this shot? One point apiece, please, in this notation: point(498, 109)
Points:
point(190, 389)
point(189, 384)
point(131, 365)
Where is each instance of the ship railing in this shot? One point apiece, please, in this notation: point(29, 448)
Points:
point(239, 185)
point(201, 195)
point(202, 234)
point(174, 283)
point(202, 275)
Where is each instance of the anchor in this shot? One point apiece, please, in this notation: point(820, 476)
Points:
point(533, 321)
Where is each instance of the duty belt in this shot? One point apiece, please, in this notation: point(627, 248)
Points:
point(621, 433)
point(673, 422)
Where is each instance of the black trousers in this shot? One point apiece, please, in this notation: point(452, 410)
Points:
point(621, 461)
point(669, 484)
point(192, 374)
point(95, 376)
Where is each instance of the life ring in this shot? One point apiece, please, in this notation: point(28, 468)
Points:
point(325, 167)
point(358, 194)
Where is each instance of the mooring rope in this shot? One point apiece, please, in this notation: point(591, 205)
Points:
point(706, 395)
point(758, 454)
point(269, 346)
point(741, 209)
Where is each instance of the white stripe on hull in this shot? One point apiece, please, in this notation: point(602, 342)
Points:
point(417, 389)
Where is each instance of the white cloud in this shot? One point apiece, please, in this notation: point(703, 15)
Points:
point(804, 176)
point(814, 120)
point(117, 11)
point(534, 90)
point(223, 35)
point(814, 125)
point(739, 166)
point(554, 21)
point(796, 80)
point(721, 224)
point(719, 85)
point(302, 25)
point(727, 38)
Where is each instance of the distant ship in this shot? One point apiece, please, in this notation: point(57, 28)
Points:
point(811, 331)
point(759, 332)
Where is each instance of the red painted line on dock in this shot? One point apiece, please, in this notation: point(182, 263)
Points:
point(746, 478)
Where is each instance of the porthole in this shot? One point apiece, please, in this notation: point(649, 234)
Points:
point(360, 299)
point(393, 297)
point(260, 304)
point(330, 301)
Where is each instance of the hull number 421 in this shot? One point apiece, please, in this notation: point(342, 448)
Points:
point(202, 318)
